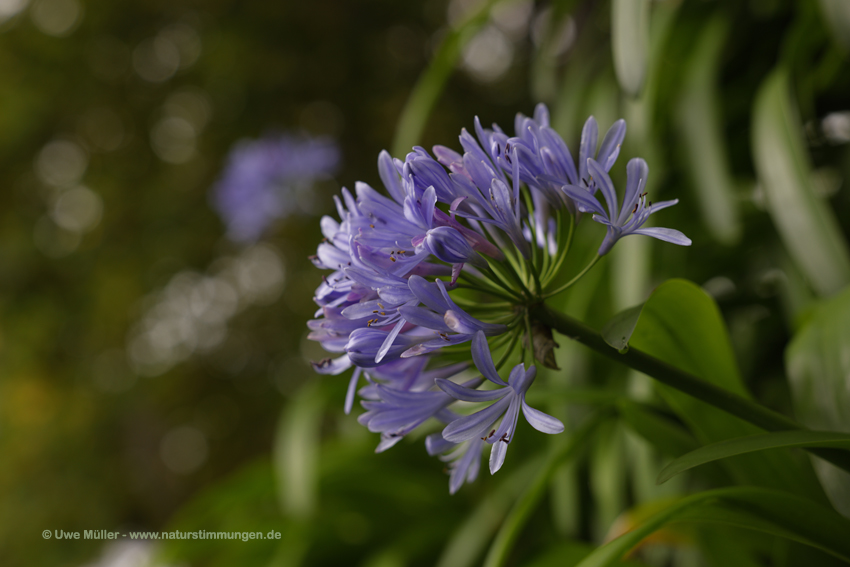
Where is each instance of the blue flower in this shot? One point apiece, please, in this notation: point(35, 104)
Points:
point(508, 401)
point(464, 458)
point(634, 212)
point(264, 179)
point(407, 400)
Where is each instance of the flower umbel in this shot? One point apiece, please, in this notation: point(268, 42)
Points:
point(461, 249)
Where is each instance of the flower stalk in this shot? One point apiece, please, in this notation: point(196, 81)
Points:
point(685, 382)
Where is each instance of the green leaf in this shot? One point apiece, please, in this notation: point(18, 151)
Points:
point(630, 43)
point(700, 129)
point(731, 447)
point(818, 362)
point(296, 452)
point(807, 226)
point(681, 325)
point(619, 329)
point(770, 511)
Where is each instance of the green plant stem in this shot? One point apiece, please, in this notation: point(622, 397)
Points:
point(483, 286)
point(685, 382)
point(570, 283)
point(562, 251)
point(508, 351)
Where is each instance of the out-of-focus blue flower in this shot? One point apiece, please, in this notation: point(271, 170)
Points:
point(407, 400)
point(262, 180)
point(464, 458)
point(508, 401)
point(635, 210)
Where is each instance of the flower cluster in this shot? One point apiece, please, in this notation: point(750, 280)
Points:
point(267, 179)
point(457, 252)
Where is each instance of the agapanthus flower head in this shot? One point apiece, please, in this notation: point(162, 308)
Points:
point(264, 180)
point(459, 250)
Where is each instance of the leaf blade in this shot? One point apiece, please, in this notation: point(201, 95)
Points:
point(753, 443)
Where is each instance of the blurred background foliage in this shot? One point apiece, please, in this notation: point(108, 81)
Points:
point(116, 119)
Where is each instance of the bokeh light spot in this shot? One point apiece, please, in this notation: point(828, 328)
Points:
point(56, 17)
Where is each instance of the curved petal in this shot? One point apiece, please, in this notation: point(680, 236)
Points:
point(389, 176)
point(475, 425)
point(604, 183)
point(458, 392)
point(388, 342)
point(589, 137)
point(435, 444)
point(665, 234)
point(423, 318)
point(636, 174)
point(427, 293)
point(483, 360)
point(610, 148)
point(540, 421)
point(497, 456)
point(352, 388)
point(586, 202)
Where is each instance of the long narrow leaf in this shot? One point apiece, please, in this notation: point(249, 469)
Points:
point(630, 42)
point(807, 226)
point(753, 443)
point(700, 124)
point(430, 84)
point(771, 511)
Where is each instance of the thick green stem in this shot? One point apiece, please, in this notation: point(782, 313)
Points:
point(665, 373)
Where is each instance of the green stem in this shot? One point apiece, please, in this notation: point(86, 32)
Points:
point(504, 358)
point(685, 382)
point(575, 279)
point(562, 252)
point(530, 336)
point(486, 287)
